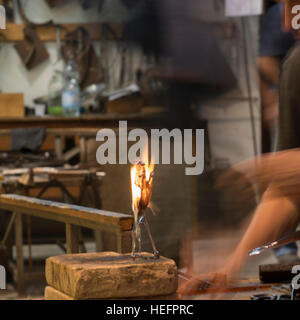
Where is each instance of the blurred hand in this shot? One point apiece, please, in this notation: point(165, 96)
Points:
point(203, 283)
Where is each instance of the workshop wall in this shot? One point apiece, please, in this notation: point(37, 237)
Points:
point(15, 78)
point(229, 115)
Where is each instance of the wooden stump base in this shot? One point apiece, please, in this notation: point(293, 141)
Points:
point(109, 275)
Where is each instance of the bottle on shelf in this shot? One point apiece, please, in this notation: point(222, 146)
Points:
point(71, 91)
point(55, 89)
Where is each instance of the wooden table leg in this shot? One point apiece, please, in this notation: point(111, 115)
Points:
point(29, 239)
point(19, 249)
point(72, 237)
point(82, 145)
point(58, 147)
point(99, 240)
point(124, 242)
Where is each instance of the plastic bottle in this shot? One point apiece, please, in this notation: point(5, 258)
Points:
point(71, 91)
point(55, 88)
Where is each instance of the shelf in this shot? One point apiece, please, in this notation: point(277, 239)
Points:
point(14, 32)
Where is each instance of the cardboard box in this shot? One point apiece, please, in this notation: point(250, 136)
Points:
point(12, 105)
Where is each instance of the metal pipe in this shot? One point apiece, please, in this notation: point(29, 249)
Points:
point(276, 244)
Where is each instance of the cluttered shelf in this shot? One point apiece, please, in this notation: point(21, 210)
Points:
point(84, 121)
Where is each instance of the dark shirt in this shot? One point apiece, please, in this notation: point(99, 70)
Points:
point(274, 41)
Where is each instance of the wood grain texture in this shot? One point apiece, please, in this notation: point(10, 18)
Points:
point(109, 275)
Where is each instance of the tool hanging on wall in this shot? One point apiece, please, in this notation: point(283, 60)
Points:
point(79, 47)
point(31, 49)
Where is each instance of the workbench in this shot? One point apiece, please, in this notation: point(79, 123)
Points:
point(78, 128)
point(72, 216)
point(87, 121)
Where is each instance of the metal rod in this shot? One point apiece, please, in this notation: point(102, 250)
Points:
point(276, 244)
point(156, 253)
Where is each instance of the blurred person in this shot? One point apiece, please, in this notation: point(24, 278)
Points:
point(277, 175)
point(274, 45)
point(190, 64)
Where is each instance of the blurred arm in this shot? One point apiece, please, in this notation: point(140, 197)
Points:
point(276, 216)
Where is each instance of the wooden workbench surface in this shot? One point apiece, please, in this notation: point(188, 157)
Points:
point(62, 211)
point(86, 121)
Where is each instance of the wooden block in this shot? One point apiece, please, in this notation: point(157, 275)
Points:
point(109, 275)
point(12, 105)
point(53, 294)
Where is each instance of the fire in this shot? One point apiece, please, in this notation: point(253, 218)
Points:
point(141, 185)
point(135, 190)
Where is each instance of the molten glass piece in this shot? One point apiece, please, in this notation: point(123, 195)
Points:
point(141, 186)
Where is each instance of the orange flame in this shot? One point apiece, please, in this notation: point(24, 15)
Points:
point(136, 192)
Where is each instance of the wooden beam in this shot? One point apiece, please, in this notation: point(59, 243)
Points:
point(71, 153)
point(66, 213)
point(14, 32)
